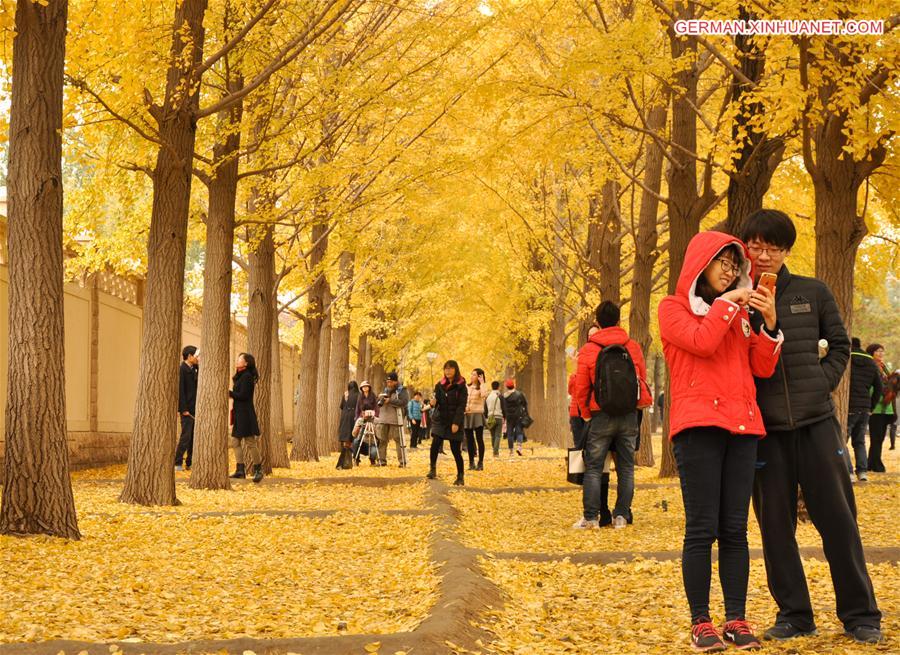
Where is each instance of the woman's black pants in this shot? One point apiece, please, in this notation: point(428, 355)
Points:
point(473, 435)
point(455, 447)
point(716, 470)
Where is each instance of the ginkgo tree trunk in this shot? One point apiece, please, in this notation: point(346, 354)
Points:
point(37, 492)
point(151, 455)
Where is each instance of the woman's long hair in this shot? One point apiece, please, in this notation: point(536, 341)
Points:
point(251, 368)
point(705, 290)
point(353, 386)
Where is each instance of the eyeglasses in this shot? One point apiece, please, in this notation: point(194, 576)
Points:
point(771, 251)
point(729, 266)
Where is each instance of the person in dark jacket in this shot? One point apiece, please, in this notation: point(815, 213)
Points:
point(882, 412)
point(804, 446)
point(348, 414)
point(246, 427)
point(187, 405)
point(514, 405)
point(449, 402)
point(865, 390)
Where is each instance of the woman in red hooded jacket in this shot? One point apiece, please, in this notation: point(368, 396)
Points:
point(713, 354)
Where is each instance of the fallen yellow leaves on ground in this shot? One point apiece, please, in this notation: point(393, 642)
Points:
point(170, 578)
point(560, 608)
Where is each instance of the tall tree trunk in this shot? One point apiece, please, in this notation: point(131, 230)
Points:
point(210, 470)
point(305, 443)
point(278, 453)
point(759, 155)
point(537, 404)
point(325, 441)
point(339, 362)
point(37, 492)
point(646, 253)
point(362, 358)
point(686, 207)
point(610, 242)
point(150, 479)
point(556, 432)
point(261, 292)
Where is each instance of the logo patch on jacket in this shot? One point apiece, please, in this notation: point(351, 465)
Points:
point(800, 305)
point(745, 325)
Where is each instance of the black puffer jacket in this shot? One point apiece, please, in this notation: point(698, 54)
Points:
point(514, 406)
point(450, 399)
point(799, 393)
point(865, 382)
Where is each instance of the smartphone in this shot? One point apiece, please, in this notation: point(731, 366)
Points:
point(767, 280)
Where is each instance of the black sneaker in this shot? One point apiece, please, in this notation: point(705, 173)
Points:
point(865, 634)
point(705, 638)
point(605, 518)
point(738, 632)
point(785, 630)
point(459, 482)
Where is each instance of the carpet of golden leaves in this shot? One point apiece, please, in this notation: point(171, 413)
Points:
point(249, 562)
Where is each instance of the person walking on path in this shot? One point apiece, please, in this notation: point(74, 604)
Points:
point(494, 421)
point(246, 427)
point(712, 354)
point(448, 417)
point(865, 390)
point(883, 413)
point(414, 412)
point(474, 419)
point(610, 387)
point(804, 446)
point(514, 405)
point(187, 405)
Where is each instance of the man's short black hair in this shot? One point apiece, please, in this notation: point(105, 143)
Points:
point(855, 344)
point(495, 385)
point(772, 226)
point(607, 314)
point(188, 351)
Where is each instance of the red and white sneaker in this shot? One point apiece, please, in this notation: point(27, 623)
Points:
point(738, 632)
point(705, 638)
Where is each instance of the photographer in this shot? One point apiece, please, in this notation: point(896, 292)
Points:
point(393, 402)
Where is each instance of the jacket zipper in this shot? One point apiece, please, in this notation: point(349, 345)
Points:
point(787, 396)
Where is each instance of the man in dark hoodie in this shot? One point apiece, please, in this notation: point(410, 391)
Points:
point(865, 390)
point(187, 405)
point(803, 447)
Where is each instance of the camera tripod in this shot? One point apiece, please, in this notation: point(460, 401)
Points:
point(368, 437)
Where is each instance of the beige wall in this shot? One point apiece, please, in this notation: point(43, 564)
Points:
point(118, 333)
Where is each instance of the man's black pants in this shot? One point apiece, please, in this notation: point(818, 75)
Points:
point(186, 442)
point(813, 458)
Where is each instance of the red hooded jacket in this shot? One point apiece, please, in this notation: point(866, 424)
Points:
point(585, 373)
point(711, 350)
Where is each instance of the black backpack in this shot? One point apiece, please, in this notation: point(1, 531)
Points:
point(616, 387)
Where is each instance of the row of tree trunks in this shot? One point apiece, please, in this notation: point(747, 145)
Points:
point(150, 478)
point(211, 429)
point(37, 492)
point(646, 252)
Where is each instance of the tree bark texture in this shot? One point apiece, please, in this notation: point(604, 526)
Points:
point(325, 442)
point(211, 429)
point(646, 253)
point(150, 479)
point(261, 294)
point(278, 454)
point(37, 492)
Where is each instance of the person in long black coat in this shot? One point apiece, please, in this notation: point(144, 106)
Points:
point(450, 396)
point(245, 426)
point(348, 414)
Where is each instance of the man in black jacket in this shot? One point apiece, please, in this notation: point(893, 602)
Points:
point(865, 390)
point(803, 446)
point(187, 405)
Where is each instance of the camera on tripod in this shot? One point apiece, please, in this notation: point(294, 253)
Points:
point(368, 415)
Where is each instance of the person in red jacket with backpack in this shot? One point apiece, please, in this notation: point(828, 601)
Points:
point(610, 369)
point(714, 421)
